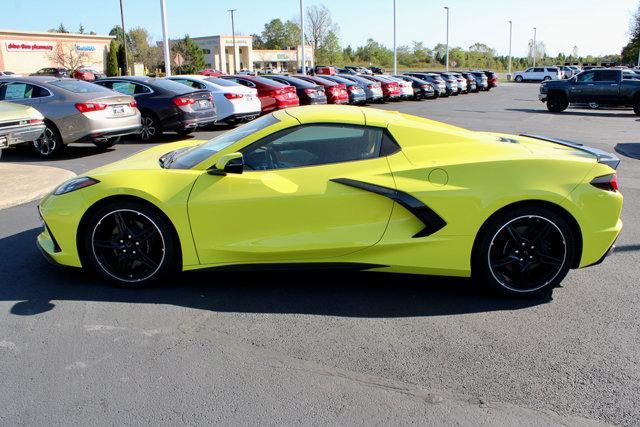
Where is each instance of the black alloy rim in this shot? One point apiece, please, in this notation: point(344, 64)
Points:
point(46, 144)
point(527, 253)
point(128, 245)
point(148, 129)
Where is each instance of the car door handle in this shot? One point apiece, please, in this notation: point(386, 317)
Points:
point(614, 84)
point(590, 84)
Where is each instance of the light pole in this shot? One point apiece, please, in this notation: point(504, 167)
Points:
point(124, 41)
point(304, 68)
point(510, 37)
point(447, 57)
point(535, 45)
point(165, 39)
point(233, 36)
point(395, 50)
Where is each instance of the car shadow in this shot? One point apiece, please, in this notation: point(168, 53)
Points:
point(36, 286)
point(631, 149)
point(27, 155)
point(591, 113)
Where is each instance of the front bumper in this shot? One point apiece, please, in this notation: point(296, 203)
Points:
point(542, 97)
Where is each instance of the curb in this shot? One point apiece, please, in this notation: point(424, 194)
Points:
point(22, 183)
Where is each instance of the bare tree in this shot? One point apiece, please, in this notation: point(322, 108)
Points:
point(69, 57)
point(319, 25)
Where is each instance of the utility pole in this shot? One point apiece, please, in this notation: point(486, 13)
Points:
point(535, 45)
point(395, 50)
point(233, 36)
point(165, 39)
point(510, 38)
point(124, 41)
point(447, 60)
point(303, 62)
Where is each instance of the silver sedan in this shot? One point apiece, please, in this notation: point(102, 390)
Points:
point(74, 111)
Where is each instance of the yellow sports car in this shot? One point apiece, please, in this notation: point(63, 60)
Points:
point(345, 186)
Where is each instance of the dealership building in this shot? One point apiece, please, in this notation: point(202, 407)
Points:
point(25, 52)
point(219, 54)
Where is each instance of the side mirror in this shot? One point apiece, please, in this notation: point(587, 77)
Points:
point(229, 163)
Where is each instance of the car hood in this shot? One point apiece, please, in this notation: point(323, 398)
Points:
point(143, 160)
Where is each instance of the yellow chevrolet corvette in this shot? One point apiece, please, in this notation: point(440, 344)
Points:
point(344, 186)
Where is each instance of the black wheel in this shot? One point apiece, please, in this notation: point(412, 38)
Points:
point(524, 252)
point(557, 103)
point(636, 106)
point(130, 244)
point(108, 143)
point(185, 132)
point(50, 143)
point(519, 79)
point(546, 79)
point(150, 129)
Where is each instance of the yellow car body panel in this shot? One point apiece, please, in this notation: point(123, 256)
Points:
point(302, 215)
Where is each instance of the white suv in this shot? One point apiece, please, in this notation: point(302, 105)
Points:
point(538, 74)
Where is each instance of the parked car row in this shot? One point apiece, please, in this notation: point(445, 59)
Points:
point(105, 109)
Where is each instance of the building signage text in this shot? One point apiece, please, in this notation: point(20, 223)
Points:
point(27, 46)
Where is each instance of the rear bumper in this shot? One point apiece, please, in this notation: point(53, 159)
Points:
point(110, 133)
point(241, 116)
point(22, 133)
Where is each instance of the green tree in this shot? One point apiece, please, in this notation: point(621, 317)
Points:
point(141, 49)
point(274, 35)
point(112, 59)
point(630, 51)
point(61, 29)
point(191, 54)
point(81, 29)
point(291, 34)
point(329, 51)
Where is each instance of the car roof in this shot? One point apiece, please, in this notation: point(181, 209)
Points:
point(38, 79)
point(190, 76)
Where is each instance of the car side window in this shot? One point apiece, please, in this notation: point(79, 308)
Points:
point(538, 70)
point(586, 77)
point(606, 76)
point(141, 89)
point(246, 83)
point(15, 91)
point(316, 144)
point(127, 88)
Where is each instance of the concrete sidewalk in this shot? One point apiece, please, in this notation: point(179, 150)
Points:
point(20, 183)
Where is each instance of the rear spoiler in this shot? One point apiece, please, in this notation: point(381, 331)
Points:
point(602, 156)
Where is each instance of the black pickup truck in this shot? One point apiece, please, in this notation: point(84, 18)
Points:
point(604, 87)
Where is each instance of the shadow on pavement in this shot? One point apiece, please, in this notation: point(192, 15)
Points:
point(26, 155)
point(631, 149)
point(25, 277)
point(591, 113)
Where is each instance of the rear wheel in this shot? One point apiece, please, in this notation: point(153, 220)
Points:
point(557, 103)
point(150, 129)
point(546, 79)
point(519, 79)
point(50, 143)
point(130, 244)
point(524, 252)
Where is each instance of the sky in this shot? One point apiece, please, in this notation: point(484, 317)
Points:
point(595, 27)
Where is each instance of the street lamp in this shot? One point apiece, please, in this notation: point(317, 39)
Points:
point(304, 68)
point(165, 39)
point(395, 50)
point(535, 45)
point(124, 41)
point(233, 36)
point(447, 57)
point(510, 37)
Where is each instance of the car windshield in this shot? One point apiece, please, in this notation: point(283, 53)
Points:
point(171, 86)
point(78, 86)
point(189, 158)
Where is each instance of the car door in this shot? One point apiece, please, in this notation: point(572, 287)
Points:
point(583, 88)
point(23, 93)
point(537, 74)
point(287, 204)
point(606, 87)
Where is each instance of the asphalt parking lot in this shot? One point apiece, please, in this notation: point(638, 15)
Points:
point(330, 347)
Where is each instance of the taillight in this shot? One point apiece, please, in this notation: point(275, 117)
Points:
point(290, 89)
point(276, 92)
point(87, 107)
point(233, 95)
point(424, 86)
point(133, 104)
point(181, 101)
point(370, 86)
point(352, 88)
point(606, 182)
point(36, 121)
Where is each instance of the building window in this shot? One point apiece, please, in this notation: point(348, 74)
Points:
point(206, 51)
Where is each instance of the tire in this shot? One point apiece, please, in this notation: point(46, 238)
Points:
point(130, 244)
point(557, 103)
point(151, 129)
point(50, 143)
point(524, 252)
point(546, 79)
point(636, 105)
point(519, 79)
point(110, 142)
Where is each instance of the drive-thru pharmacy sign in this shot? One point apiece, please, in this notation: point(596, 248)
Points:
point(28, 46)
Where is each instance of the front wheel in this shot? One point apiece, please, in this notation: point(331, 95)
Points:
point(519, 79)
point(546, 79)
point(524, 252)
point(130, 244)
point(557, 103)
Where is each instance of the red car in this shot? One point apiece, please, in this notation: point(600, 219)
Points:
point(83, 74)
point(492, 79)
point(211, 72)
point(272, 95)
point(336, 93)
point(390, 89)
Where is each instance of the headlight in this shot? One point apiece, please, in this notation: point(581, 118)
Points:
point(75, 184)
